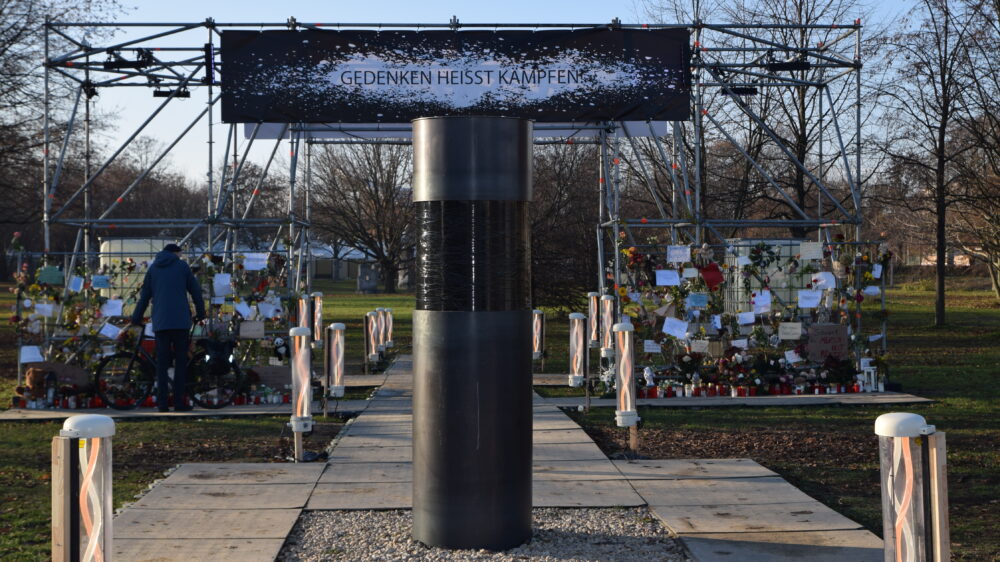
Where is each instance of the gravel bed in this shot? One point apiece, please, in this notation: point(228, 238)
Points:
point(559, 534)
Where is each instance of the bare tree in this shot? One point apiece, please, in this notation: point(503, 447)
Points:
point(925, 103)
point(362, 197)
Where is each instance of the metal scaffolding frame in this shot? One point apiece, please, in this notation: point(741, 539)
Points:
point(730, 63)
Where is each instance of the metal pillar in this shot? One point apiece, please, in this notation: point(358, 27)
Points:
point(472, 333)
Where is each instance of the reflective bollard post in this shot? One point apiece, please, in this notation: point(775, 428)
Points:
point(607, 323)
point(334, 359)
point(578, 349)
point(537, 334)
point(594, 318)
point(626, 414)
point(82, 508)
point(301, 421)
point(317, 318)
point(388, 328)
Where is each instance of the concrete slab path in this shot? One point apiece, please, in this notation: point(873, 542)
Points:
point(724, 509)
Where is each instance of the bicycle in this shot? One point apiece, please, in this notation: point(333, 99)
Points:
point(126, 379)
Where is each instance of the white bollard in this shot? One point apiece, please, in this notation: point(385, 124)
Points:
point(317, 318)
point(626, 414)
point(301, 421)
point(607, 324)
point(334, 364)
point(914, 488)
point(594, 319)
point(578, 349)
point(304, 312)
point(388, 328)
point(537, 334)
point(372, 337)
point(82, 507)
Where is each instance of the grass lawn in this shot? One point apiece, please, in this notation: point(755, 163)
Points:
point(831, 452)
point(144, 449)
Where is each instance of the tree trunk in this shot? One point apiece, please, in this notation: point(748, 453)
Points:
point(942, 249)
point(993, 267)
point(390, 275)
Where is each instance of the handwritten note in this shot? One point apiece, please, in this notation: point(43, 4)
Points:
point(675, 327)
point(745, 318)
point(678, 254)
point(743, 260)
point(667, 277)
point(809, 298)
point(44, 309)
point(222, 284)
point(110, 331)
point(76, 284)
point(690, 273)
point(811, 251)
point(699, 346)
point(243, 309)
point(741, 343)
point(827, 340)
point(255, 261)
point(717, 321)
point(877, 271)
point(100, 282)
point(792, 357)
point(824, 280)
point(790, 330)
point(651, 346)
point(697, 300)
point(113, 307)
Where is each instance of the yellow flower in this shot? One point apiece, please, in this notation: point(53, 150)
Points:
point(622, 291)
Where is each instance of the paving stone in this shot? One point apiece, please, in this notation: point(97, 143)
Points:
point(371, 454)
point(825, 546)
point(560, 436)
point(367, 472)
point(691, 468)
point(205, 523)
point(575, 470)
point(186, 550)
point(363, 428)
point(365, 495)
point(226, 496)
point(391, 440)
point(584, 493)
point(245, 473)
point(779, 517)
point(727, 491)
point(567, 452)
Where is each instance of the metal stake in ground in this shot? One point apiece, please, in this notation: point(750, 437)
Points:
point(472, 333)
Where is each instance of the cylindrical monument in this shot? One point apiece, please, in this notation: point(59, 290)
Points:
point(472, 332)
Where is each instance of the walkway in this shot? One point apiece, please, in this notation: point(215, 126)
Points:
point(731, 509)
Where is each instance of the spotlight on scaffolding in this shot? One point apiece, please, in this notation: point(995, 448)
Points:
point(81, 489)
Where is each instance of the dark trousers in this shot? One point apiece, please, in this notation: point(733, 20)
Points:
point(171, 351)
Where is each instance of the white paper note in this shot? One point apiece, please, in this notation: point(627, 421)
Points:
point(675, 327)
point(792, 357)
point(824, 280)
point(243, 309)
point(699, 346)
point(690, 272)
point(877, 271)
point(147, 330)
point(762, 302)
point(809, 299)
point(743, 260)
point(650, 346)
point(30, 354)
point(667, 277)
point(636, 297)
point(741, 343)
point(811, 251)
point(44, 309)
point(875, 337)
point(678, 254)
point(790, 330)
point(222, 284)
point(266, 310)
point(872, 291)
point(717, 321)
point(112, 308)
point(255, 261)
point(745, 318)
point(76, 284)
point(110, 331)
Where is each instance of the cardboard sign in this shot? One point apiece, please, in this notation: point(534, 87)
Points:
point(252, 329)
point(827, 340)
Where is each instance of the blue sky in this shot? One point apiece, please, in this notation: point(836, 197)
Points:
point(130, 106)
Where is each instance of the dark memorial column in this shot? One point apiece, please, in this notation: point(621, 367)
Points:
point(472, 333)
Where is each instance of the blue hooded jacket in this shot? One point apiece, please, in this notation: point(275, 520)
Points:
point(168, 281)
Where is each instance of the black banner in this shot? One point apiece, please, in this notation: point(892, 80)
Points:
point(319, 76)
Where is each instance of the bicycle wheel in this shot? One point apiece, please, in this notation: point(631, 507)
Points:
point(124, 380)
point(213, 383)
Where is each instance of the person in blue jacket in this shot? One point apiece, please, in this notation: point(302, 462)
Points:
point(168, 282)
